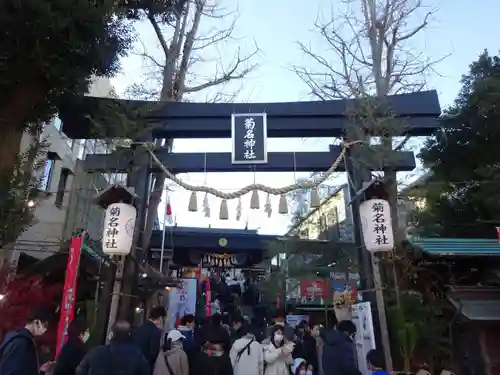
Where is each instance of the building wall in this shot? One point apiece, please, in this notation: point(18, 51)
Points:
point(62, 210)
point(331, 221)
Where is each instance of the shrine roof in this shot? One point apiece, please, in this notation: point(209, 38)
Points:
point(458, 246)
point(211, 239)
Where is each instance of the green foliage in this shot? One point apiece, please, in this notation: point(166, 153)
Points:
point(463, 194)
point(166, 10)
point(18, 185)
point(50, 49)
point(416, 328)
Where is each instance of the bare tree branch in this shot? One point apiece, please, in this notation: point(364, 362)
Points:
point(368, 51)
point(174, 77)
point(234, 73)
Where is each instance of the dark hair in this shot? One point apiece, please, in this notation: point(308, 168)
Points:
point(216, 319)
point(346, 326)
point(275, 329)
point(238, 318)
point(42, 314)
point(76, 328)
point(187, 319)
point(157, 313)
point(121, 330)
point(375, 358)
point(167, 343)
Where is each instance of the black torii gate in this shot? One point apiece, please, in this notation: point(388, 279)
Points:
point(418, 111)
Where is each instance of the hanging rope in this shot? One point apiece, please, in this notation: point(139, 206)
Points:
point(254, 186)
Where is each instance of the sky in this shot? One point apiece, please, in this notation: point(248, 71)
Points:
point(460, 30)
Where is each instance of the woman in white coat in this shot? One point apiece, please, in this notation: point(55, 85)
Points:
point(246, 355)
point(278, 354)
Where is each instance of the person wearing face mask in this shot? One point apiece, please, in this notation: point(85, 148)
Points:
point(305, 345)
point(280, 320)
point(278, 354)
point(339, 350)
point(148, 337)
point(120, 357)
point(299, 367)
point(73, 350)
point(18, 351)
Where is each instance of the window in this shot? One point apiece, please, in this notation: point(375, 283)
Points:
point(48, 171)
point(61, 188)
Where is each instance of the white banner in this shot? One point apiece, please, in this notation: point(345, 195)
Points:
point(182, 301)
point(295, 320)
point(365, 336)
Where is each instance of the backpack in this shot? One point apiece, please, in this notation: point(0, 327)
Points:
point(247, 348)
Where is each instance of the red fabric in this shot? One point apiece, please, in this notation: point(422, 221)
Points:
point(498, 233)
point(69, 291)
point(208, 299)
point(168, 212)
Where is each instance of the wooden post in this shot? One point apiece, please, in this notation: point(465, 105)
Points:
point(382, 316)
point(115, 298)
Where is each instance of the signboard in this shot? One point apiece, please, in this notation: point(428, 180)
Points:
point(249, 138)
point(361, 315)
point(119, 225)
point(295, 320)
point(69, 291)
point(182, 301)
point(376, 223)
point(313, 290)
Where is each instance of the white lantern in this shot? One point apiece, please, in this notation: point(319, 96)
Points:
point(376, 223)
point(119, 225)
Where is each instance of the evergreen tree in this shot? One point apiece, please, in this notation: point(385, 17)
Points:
point(49, 51)
point(463, 195)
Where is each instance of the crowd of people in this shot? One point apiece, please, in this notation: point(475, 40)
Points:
point(215, 346)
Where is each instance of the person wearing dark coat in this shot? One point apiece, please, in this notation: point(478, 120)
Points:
point(305, 346)
point(120, 357)
point(18, 351)
point(73, 351)
point(215, 331)
point(189, 343)
point(339, 350)
point(213, 358)
point(148, 337)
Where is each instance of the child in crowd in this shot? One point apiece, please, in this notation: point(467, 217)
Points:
point(300, 367)
point(375, 362)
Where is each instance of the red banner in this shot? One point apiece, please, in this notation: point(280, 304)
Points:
point(313, 289)
point(69, 291)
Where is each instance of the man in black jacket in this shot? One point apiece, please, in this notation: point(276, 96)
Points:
point(120, 357)
point(339, 350)
point(148, 336)
point(18, 352)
